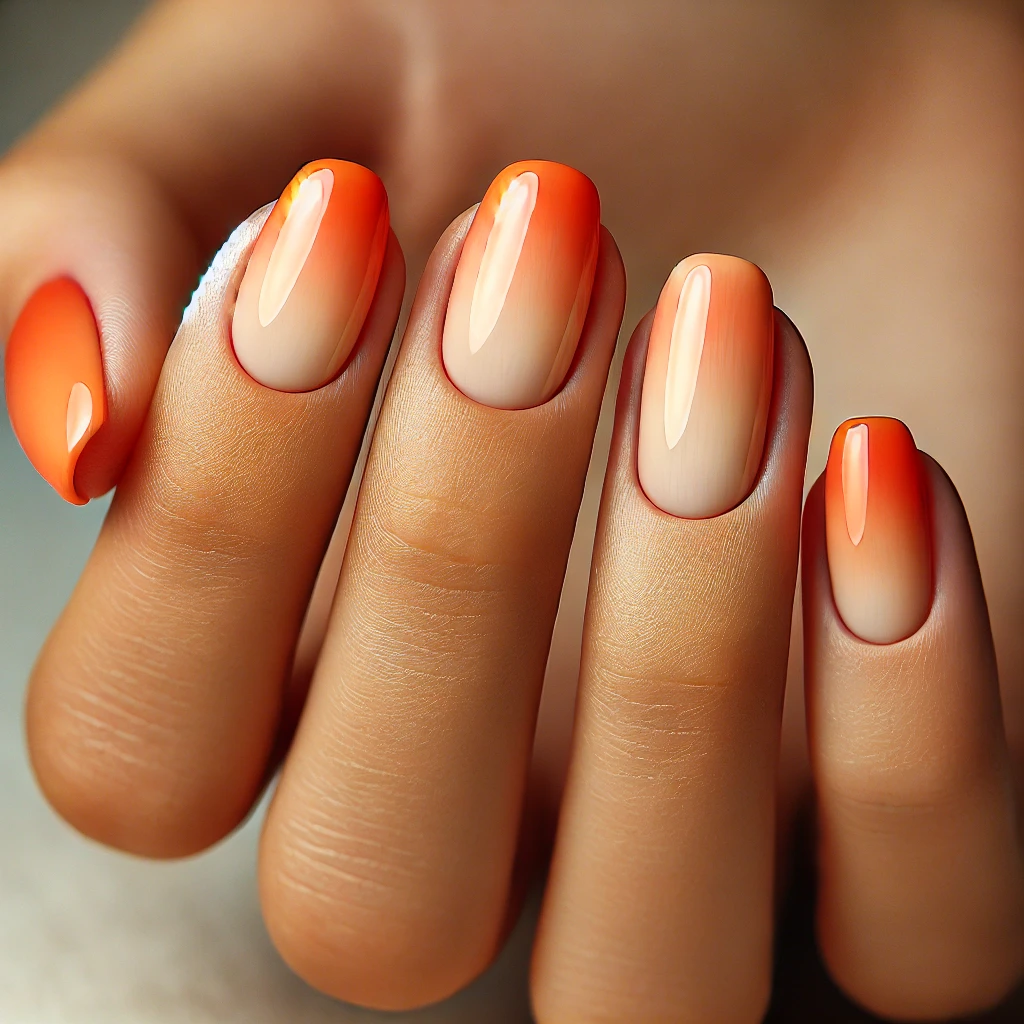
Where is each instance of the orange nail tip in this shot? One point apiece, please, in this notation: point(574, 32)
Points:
point(312, 276)
point(877, 529)
point(54, 382)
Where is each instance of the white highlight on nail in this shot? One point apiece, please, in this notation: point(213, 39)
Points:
point(685, 349)
point(501, 255)
point(855, 481)
point(294, 243)
point(79, 413)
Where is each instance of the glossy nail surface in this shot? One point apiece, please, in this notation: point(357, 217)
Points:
point(707, 386)
point(878, 530)
point(522, 286)
point(312, 276)
point(54, 381)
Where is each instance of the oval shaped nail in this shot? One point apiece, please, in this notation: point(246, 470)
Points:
point(522, 286)
point(707, 386)
point(878, 530)
point(312, 276)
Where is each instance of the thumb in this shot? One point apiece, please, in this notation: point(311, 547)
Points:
point(94, 269)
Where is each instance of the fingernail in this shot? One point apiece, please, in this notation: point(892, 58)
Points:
point(312, 276)
point(877, 530)
point(522, 286)
point(53, 377)
point(707, 385)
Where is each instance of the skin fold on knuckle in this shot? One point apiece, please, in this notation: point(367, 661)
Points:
point(887, 747)
point(720, 579)
point(494, 477)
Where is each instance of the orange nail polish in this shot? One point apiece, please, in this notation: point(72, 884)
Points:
point(877, 530)
point(522, 286)
point(707, 386)
point(312, 276)
point(54, 382)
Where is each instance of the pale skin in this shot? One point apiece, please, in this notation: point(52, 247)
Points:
point(389, 867)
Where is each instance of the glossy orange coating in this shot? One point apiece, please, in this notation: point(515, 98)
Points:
point(703, 416)
point(312, 335)
point(878, 530)
point(53, 350)
point(528, 351)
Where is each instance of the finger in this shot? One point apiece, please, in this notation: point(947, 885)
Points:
point(921, 894)
point(388, 852)
point(114, 203)
point(659, 899)
point(154, 704)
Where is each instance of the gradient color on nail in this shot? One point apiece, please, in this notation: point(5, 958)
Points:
point(312, 276)
point(522, 286)
point(707, 387)
point(54, 382)
point(878, 532)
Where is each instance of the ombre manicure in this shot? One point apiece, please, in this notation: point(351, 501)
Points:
point(54, 382)
point(522, 286)
point(312, 276)
point(877, 529)
point(707, 387)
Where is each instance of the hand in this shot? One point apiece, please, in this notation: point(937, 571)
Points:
point(100, 191)
point(388, 858)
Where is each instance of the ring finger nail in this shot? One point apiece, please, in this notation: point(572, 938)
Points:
point(707, 385)
point(877, 530)
point(522, 286)
point(311, 276)
point(54, 381)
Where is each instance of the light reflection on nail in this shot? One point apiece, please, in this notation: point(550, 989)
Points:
point(501, 256)
point(855, 481)
point(79, 414)
point(685, 348)
point(294, 243)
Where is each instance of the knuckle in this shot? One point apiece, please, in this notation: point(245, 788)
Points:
point(885, 787)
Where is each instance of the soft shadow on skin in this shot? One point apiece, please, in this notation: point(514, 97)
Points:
point(803, 991)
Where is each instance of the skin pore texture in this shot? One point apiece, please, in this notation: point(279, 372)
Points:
point(887, 136)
